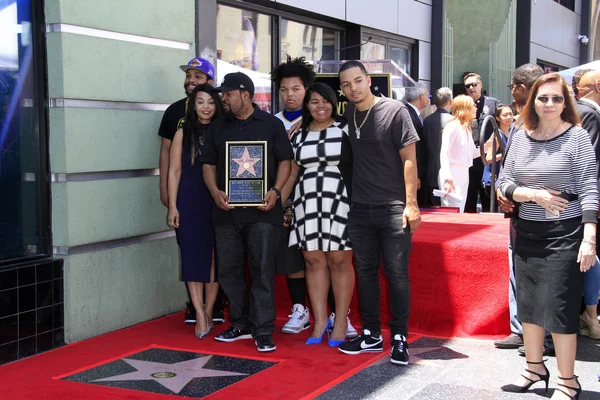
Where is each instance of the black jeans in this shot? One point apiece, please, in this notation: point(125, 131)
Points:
point(375, 232)
point(257, 242)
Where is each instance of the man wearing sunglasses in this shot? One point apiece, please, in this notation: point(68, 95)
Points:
point(486, 105)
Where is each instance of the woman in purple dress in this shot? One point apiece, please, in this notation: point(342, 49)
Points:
point(190, 204)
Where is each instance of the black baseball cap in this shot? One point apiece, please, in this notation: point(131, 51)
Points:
point(237, 81)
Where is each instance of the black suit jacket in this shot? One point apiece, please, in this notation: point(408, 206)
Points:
point(590, 121)
point(432, 137)
point(421, 149)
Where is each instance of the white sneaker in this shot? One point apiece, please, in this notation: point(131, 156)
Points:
point(350, 331)
point(299, 320)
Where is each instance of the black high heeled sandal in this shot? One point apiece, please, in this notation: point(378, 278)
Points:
point(512, 388)
point(577, 390)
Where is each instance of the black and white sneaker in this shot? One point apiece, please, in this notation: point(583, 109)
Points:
point(190, 314)
point(399, 353)
point(265, 343)
point(364, 343)
point(232, 334)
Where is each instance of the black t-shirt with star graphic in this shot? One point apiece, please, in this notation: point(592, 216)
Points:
point(172, 119)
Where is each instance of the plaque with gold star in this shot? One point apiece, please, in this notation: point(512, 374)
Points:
point(246, 173)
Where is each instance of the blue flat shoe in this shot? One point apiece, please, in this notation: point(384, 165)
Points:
point(319, 339)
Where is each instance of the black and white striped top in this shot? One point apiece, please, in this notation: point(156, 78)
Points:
point(566, 163)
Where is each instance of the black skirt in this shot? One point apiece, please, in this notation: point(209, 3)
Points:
point(549, 281)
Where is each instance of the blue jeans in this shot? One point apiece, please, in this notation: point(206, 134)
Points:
point(591, 284)
point(376, 232)
point(255, 241)
point(515, 325)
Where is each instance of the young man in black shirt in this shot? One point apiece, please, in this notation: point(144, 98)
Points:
point(384, 211)
point(198, 71)
point(247, 232)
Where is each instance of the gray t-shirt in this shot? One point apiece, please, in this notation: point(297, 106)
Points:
point(378, 171)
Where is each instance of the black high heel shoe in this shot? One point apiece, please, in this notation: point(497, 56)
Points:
point(577, 390)
point(521, 389)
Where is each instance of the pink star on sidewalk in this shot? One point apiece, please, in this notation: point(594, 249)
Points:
point(172, 376)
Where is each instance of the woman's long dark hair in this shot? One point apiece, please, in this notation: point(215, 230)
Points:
point(328, 94)
point(193, 130)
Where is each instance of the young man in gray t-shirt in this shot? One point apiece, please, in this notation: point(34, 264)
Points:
point(384, 210)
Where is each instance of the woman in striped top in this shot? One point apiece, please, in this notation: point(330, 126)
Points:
point(550, 172)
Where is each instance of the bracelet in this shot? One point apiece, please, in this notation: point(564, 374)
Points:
point(588, 242)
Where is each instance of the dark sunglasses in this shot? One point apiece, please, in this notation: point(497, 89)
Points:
point(471, 85)
point(555, 99)
point(512, 86)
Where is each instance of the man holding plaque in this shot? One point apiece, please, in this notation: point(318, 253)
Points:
point(246, 159)
point(384, 211)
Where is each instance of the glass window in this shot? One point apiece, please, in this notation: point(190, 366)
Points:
point(20, 229)
point(312, 42)
point(373, 51)
point(244, 44)
point(387, 48)
point(401, 56)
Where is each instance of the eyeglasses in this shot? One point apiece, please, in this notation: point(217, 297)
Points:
point(512, 86)
point(471, 85)
point(555, 99)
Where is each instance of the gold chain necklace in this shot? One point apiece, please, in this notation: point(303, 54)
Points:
point(358, 128)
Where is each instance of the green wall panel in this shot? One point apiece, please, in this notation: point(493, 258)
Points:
point(97, 211)
point(103, 69)
point(86, 140)
point(172, 19)
point(112, 289)
point(56, 138)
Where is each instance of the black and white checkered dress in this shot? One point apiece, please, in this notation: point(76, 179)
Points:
point(322, 195)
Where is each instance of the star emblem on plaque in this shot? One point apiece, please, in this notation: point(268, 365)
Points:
point(246, 173)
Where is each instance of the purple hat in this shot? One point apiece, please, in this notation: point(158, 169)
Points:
point(201, 65)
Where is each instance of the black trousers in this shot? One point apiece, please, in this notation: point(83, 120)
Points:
point(476, 188)
point(375, 232)
point(249, 308)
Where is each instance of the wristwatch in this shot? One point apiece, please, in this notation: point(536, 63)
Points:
point(277, 191)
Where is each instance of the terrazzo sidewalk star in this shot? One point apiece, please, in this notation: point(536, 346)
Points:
point(172, 376)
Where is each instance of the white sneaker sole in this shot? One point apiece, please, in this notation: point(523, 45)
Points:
point(241, 337)
point(398, 362)
point(294, 330)
point(352, 353)
point(266, 350)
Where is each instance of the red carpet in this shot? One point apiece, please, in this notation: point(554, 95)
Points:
point(304, 370)
point(459, 278)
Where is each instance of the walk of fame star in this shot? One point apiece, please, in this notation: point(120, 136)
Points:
point(246, 163)
point(172, 376)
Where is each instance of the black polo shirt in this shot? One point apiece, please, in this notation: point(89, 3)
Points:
point(259, 126)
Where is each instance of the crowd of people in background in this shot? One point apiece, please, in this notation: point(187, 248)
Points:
point(346, 188)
